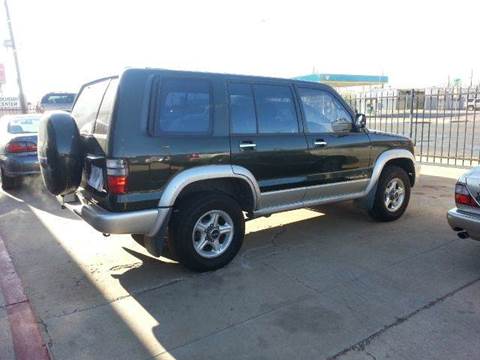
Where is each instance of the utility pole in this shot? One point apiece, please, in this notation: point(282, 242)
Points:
point(21, 96)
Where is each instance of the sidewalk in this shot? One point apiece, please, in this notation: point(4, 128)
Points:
point(18, 323)
point(441, 171)
point(6, 343)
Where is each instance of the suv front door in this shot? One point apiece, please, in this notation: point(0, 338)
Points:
point(340, 161)
point(267, 139)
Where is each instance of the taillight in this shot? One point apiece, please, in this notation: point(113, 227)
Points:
point(463, 197)
point(117, 176)
point(20, 147)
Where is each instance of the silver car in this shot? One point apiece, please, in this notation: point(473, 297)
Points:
point(18, 148)
point(473, 104)
point(465, 218)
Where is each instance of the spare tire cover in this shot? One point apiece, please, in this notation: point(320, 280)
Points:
point(60, 153)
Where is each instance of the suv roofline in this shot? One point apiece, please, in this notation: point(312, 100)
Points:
point(228, 76)
point(234, 76)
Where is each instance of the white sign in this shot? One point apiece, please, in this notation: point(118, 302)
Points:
point(9, 102)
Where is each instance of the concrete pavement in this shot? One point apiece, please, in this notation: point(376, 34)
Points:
point(6, 341)
point(321, 283)
point(447, 329)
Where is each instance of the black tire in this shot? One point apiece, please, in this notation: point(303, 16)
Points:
point(60, 153)
point(181, 230)
point(139, 238)
point(471, 108)
point(379, 211)
point(8, 182)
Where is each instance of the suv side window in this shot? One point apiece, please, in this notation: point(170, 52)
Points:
point(320, 109)
point(242, 109)
point(275, 109)
point(183, 107)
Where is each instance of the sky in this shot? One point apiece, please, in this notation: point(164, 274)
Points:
point(64, 43)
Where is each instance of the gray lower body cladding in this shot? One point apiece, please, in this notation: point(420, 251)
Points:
point(148, 222)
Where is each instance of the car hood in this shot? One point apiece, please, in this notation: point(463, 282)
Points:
point(380, 132)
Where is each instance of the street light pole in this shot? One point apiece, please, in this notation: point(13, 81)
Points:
point(21, 96)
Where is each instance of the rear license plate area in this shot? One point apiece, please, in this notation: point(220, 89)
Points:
point(95, 178)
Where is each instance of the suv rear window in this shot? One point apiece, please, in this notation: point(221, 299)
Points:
point(87, 105)
point(106, 108)
point(183, 107)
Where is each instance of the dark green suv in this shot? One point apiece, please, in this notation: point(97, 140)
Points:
point(187, 157)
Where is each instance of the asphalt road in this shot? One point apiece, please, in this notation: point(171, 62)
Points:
point(308, 284)
point(439, 139)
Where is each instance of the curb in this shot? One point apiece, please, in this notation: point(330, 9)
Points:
point(28, 343)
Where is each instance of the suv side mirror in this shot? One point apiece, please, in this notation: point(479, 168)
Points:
point(342, 125)
point(360, 121)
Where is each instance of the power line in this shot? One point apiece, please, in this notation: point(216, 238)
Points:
point(21, 96)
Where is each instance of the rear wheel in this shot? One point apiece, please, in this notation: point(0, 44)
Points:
point(392, 196)
point(8, 182)
point(206, 231)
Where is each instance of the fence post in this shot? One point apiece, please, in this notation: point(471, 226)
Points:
point(411, 112)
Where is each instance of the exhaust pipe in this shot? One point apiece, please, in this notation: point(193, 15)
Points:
point(463, 235)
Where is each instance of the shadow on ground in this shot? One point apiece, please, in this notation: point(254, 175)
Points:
point(307, 284)
point(52, 279)
point(33, 192)
point(314, 287)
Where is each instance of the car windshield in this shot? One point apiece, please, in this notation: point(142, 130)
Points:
point(27, 124)
point(58, 99)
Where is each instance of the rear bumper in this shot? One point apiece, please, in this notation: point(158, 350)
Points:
point(21, 165)
point(148, 222)
point(462, 221)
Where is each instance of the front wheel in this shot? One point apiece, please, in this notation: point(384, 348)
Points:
point(392, 195)
point(206, 231)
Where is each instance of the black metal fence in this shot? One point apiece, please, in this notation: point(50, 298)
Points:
point(441, 122)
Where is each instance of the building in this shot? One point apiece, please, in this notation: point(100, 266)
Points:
point(346, 80)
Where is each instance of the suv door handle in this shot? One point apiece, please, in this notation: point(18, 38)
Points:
point(248, 146)
point(320, 143)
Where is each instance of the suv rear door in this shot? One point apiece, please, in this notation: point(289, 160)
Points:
point(267, 138)
point(92, 112)
point(340, 159)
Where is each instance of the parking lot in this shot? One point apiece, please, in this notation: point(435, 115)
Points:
point(307, 284)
